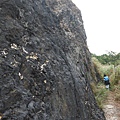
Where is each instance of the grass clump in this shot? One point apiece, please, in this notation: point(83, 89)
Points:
point(115, 83)
point(100, 93)
point(117, 92)
point(117, 97)
point(117, 75)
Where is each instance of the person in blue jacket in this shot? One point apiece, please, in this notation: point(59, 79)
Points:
point(106, 81)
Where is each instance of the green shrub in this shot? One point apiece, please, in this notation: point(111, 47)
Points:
point(103, 69)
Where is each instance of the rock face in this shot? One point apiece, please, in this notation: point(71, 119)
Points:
point(44, 62)
point(95, 73)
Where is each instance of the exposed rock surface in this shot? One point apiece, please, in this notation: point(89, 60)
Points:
point(95, 73)
point(44, 62)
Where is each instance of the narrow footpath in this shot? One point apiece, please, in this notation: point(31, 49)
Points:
point(112, 108)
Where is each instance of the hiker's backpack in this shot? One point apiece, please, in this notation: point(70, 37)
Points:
point(106, 78)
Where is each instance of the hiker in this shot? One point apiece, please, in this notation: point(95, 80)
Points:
point(106, 81)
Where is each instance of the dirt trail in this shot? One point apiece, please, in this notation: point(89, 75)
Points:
point(112, 108)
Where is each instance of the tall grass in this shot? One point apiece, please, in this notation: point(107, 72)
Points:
point(117, 74)
point(96, 68)
point(99, 89)
point(103, 69)
point(100, 93)
point(110, 70)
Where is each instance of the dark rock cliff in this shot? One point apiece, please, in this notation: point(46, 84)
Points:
point(44, 62)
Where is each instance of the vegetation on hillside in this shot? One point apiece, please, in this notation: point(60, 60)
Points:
point(107, 64)
point(109, 58)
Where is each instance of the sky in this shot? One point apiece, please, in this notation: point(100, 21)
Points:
point(102, 24)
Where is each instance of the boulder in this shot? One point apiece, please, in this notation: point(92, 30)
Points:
point(44, 62)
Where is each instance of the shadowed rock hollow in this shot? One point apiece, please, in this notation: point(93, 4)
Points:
point(44, 62)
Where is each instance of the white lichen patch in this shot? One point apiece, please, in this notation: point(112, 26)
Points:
point(32, 56)
point(86, 102)
point(21, 76)
point(14, 46)
point(26, 24)
point(45, 81)
point(15, 63)
point(27, 57)
point(0, 117)
point(79, 22)
point(24, 50)
point(4, 52)
point(43, 65)
point(47, 61)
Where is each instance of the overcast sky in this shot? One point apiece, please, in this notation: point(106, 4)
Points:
point(102, 24)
